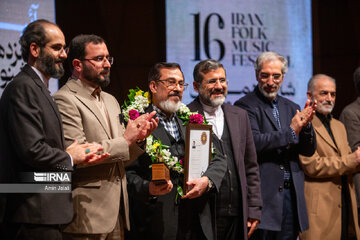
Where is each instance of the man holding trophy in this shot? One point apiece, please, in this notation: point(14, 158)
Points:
point(161, 211)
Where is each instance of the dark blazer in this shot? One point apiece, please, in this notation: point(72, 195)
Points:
point(245, 158)
point(273, 146)
point(31, 140)
point(159, 217)
point(350, 117)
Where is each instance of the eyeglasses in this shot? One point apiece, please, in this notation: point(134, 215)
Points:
point(100, 59)
point(276, 76)
point(212, 82)
point(172, 83)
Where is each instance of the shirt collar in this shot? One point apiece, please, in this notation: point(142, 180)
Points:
point(324, 118)
point(41, 76)
point(210, 109)
point(90, 89)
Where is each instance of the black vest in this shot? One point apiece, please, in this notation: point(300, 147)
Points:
point(228, 201)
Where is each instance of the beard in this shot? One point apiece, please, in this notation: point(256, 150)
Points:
point(217, 101)
point(47, 64)
point(271, 95)
point(90, 75)
point(325, 107)
point(170, 106)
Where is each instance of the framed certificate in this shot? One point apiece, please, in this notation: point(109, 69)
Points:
point(197, 151)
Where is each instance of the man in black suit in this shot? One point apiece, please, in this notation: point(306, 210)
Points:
point(280, 133)
point(31, 137)
point(155, 213)
point(238, 204)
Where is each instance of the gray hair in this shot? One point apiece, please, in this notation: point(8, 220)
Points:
point(204, 67)
point(270, 56)
point(314, 78)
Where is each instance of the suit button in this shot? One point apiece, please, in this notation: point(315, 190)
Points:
point(230, 172)
point(231, 189)
point(281, 188)
point(281, 167)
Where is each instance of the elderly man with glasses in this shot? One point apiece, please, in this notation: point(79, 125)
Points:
point(92, 115)
point(280, 133)
point(156, 211)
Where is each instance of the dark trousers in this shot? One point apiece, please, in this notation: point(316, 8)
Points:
point(228, 228)
point(289, 225)
point(25, 231)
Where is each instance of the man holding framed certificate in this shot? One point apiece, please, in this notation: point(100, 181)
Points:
point(157, 211)
point(238, 205)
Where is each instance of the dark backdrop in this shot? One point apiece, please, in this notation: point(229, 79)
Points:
point(135, 35)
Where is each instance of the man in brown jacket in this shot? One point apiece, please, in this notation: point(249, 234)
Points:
point(92, 115)
point(329, 189)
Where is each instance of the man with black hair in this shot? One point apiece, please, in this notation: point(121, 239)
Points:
point(238, 203)
point(91, 115)
point(31, 137)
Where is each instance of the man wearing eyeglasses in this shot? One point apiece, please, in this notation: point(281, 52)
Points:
point(280, 133)
point(31, 138)
point(92, 115)
point(238, 203)
point(157, 213)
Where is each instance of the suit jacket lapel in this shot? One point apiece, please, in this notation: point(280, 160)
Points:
point(322, 132)
point(232, 121)
point(113, 118)
point(285, 119)
point(86, 99)
point(27, 68)
point(269, 113)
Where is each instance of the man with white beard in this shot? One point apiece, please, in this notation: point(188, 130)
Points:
point(156, 210)
point(238, 203)
point(329, 189)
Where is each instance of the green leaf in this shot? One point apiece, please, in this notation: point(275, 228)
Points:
point(180, 191)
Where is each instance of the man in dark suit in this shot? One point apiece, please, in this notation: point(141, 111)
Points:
point(31, 137)
point(238, 204)
point(280, 133)
point(350, 116)
point(155, 212)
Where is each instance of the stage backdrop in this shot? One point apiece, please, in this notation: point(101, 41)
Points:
point(14, 16)
point(235, 32)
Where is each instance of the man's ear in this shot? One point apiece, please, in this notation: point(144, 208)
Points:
point(309, 95)
point(34, 50)
point(153, 87)
point(196, 86)
point(77, 64)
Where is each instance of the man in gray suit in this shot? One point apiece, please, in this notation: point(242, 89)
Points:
point(238, 205)
point(350, 116)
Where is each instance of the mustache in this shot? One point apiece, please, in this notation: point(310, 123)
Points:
point(59, 61)
point(217, 91)
point(174, 94)
point(105, 71)
point(271, 86)
point(327, 103)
